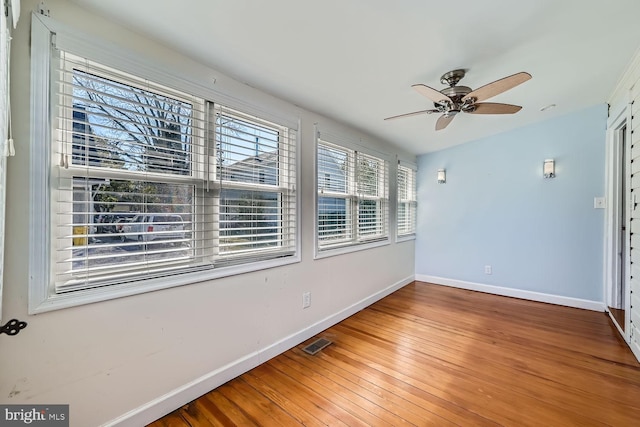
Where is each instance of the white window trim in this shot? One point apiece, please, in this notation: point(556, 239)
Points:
point(7, 23)
point(409, 236)
point(345, 142)
point(42, 297)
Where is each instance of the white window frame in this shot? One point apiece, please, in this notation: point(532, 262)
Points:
point(7, 22)
point(286, 189)
point(45, 32)
point(354, 242)
point(411, 202)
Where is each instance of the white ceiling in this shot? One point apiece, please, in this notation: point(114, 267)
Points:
point(355, 60)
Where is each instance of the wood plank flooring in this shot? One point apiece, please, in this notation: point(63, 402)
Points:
point(431, 355)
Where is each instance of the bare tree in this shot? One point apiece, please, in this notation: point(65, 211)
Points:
point(147, 131)
point(117, 126)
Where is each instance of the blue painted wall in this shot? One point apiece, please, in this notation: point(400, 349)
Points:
point(496, 209)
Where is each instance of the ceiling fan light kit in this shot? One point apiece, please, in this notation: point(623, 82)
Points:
point(462, 99)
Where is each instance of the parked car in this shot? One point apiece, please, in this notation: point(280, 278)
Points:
point(153, 227)
point(122, 220)
point(110, 222)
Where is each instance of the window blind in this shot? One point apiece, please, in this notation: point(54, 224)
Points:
point(255, 170)
point(127, 158)
point(152, 182)
point(407, 201)
point(335, 189)
point(352, 197)
point(372, 184)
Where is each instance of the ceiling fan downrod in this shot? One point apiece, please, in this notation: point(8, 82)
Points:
point(452, 78)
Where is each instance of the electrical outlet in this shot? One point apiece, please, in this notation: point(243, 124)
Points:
point(306, 299)
point(487, 269)
point(599, 203)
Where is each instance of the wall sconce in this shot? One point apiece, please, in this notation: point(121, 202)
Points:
point(549, 168)
point(442, 176)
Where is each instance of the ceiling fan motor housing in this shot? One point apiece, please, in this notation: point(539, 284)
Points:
point(456, 93)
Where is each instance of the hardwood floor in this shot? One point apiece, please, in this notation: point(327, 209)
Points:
point(432, 355)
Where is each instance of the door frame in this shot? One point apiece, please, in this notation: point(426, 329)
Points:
point(615, 126)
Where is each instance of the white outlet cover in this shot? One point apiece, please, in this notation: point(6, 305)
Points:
point(306, 300)
point(599, 203)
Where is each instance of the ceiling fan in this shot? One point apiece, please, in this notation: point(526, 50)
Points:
point(455, 99)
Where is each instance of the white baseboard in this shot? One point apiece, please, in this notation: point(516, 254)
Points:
point(516, 293)
point(161, 406)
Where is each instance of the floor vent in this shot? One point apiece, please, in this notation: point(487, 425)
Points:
point(316, 346)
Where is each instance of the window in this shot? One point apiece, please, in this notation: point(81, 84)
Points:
point(352, 199)
point(153, 187)
point(255, 169)
point(407, 204)
point(125, 155)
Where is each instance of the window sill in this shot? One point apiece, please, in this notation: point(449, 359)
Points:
point(405, 238)
point(326, 253)
point(88, 296)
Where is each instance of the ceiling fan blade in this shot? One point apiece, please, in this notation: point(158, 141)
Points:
point(495, 108)
point(444, 121)
point(415, 113)
point(431, 93)
point(495, 88)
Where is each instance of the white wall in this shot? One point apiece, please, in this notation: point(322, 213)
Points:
point(108, 358)
point(542, 237)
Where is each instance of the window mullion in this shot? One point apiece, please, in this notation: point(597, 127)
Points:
point(355, 179)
